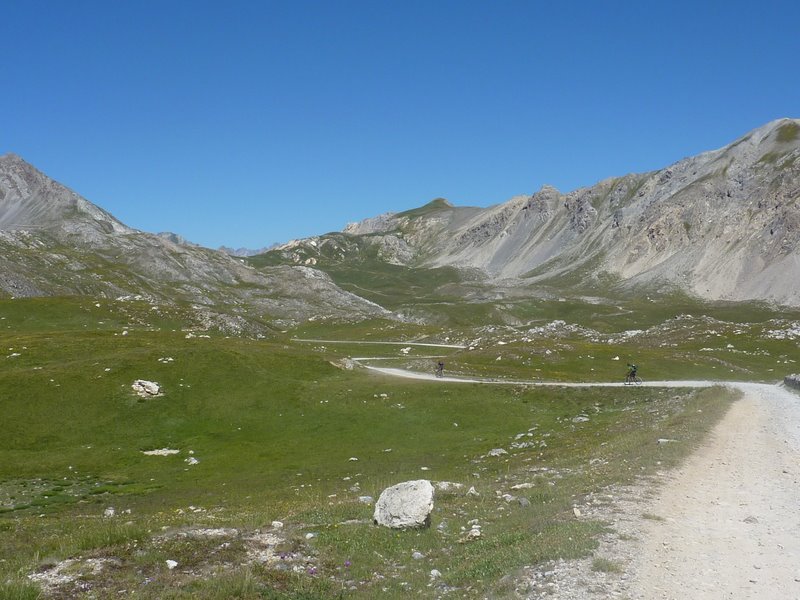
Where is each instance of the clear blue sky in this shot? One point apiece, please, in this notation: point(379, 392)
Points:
point(248, 123)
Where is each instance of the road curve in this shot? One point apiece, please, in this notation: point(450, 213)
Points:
point(405, 373)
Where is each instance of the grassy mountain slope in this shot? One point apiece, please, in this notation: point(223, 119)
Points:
point(271, 430)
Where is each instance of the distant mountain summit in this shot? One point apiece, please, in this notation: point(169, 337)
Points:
point(245, 251)
point(54, 242)
point(724, 224)
point(31, 200)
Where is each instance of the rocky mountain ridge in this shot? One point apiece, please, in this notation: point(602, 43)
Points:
point(722, 225)
point(54, 242)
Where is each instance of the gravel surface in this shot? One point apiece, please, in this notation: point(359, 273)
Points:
point(723, 526)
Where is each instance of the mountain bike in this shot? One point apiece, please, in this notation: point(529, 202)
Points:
point(635, 380)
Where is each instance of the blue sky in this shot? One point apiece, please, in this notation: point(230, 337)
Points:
point(248, 123)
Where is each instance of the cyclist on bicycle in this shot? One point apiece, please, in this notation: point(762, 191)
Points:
point(632, 370)
point(440, 369)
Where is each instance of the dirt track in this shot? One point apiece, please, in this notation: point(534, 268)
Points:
point(726, 525)
point(731, 514)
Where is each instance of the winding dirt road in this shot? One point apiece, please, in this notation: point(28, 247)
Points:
point(728, 521)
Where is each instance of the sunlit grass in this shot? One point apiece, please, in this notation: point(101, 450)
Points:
point(280, 433)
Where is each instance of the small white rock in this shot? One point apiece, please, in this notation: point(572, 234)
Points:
point(277, 525)
point(171, 564)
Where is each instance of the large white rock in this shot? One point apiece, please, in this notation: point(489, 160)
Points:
point(405, 505)
point(146, 389)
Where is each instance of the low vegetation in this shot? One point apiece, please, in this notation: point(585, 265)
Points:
point(277, 446)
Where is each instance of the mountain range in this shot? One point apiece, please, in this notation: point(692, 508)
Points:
point(55, 243)
point(722, 225)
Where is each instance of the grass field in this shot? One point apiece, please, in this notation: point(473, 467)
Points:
point(271, 430)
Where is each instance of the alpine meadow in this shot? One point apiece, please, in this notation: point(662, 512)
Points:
point(179, 422)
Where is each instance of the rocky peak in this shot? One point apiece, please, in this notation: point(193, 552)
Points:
point(31, 200)
point(379, 224)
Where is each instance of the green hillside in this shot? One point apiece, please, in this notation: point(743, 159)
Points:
point(280, 433)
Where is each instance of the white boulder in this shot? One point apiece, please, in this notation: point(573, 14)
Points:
point(146, 389)
point(405, 505)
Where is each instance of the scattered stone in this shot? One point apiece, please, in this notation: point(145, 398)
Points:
point(345, 364)
point(69, 571)
point(473, 492)
point(366, 499)
point(435, 574)
point(497, 452)
point(792, 381)
point(160, 452)
point(171, 564)
point(205, 532)
point(474, 533)
point(277, 525)
point(523, 486)
point(191, 461)
point(751, 520)
point(146, 389)
point(405, 505)
point(109, 512)
point(416, 555)
point(576, 511)
point(448, 487)
point(524, 502)
point(665, 441)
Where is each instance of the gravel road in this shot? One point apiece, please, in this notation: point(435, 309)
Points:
point(726, 525)
point(731, 525)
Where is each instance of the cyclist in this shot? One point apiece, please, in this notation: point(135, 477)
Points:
point(632, 370)
point(440, 369)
